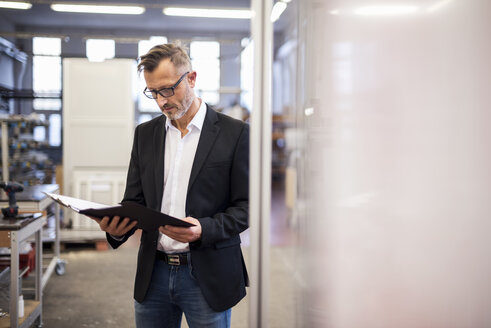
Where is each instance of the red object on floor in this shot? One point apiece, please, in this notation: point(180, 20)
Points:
point(28, 259)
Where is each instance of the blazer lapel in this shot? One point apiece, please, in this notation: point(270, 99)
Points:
point(159, 151)
point(207, 138)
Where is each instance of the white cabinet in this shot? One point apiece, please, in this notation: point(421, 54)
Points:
point(98, 124)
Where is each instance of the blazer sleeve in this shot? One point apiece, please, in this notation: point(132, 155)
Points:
point(133, 191)
point(229, 223)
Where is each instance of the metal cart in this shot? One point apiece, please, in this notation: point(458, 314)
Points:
point(12, 233)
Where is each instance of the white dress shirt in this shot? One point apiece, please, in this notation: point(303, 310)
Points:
point(179, 158)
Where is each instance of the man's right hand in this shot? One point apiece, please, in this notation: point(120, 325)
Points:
point(115, 227)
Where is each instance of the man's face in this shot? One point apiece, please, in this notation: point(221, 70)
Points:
point(165, 76)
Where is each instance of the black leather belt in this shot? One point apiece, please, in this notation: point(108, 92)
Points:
point(173, 259)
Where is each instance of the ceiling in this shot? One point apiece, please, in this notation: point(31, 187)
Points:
point(41, 19)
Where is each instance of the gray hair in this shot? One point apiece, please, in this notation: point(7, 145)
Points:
point(174, 51)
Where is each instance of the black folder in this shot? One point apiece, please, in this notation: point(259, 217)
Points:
point(148, 219)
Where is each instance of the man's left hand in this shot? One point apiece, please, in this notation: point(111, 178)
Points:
point(184, 235)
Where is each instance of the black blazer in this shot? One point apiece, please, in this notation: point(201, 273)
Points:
point(218, 196)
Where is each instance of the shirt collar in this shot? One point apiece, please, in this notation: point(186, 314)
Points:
point(197, 121)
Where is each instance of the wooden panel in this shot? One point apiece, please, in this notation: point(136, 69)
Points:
point(29, 307)
point(4, 238)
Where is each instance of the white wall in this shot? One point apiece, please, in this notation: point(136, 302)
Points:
point(399, 150)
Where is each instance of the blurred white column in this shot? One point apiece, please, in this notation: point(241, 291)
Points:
point(399, 163)
point(260, 164)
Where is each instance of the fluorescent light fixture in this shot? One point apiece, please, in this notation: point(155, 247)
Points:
point(386, 10)
point(278, 9)
point(15, 5)
point(334, 12)
point(98, 9)
point(208, 12)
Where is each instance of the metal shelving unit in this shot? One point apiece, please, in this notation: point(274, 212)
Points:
point(12, 233)
point(21, 153)
point(24, 158)
point(32, 199)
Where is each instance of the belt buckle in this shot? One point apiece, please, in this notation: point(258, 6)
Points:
point(173, 259)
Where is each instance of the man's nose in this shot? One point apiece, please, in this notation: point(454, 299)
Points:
point(161, 100)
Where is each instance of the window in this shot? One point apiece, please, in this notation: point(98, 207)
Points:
point(145, 45)
point(246, 74)
point(46, 72)
point(205, 58)
point(99, 50)
point(39, 132)
point(46, 84)
point(145, 104)
point(55, 129)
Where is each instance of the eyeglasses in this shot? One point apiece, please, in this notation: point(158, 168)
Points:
point(164, 92)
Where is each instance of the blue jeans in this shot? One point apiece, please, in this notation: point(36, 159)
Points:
point(172, 291)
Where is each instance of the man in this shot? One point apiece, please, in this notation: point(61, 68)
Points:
point(191, 163)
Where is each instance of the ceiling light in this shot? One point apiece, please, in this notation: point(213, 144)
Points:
point(208, 13)
point(278, 9)
point(98, 9)
point(15, 5)
point(386, 10)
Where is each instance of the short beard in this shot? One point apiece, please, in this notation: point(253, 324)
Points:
point(184, 108)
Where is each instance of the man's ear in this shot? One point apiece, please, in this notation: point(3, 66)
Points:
point(191, 78)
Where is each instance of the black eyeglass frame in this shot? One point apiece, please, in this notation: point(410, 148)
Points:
point(152, 94)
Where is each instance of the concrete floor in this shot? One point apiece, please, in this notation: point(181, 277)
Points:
point(97, 288)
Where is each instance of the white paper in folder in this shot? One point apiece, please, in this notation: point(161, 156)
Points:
point(75, 204)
